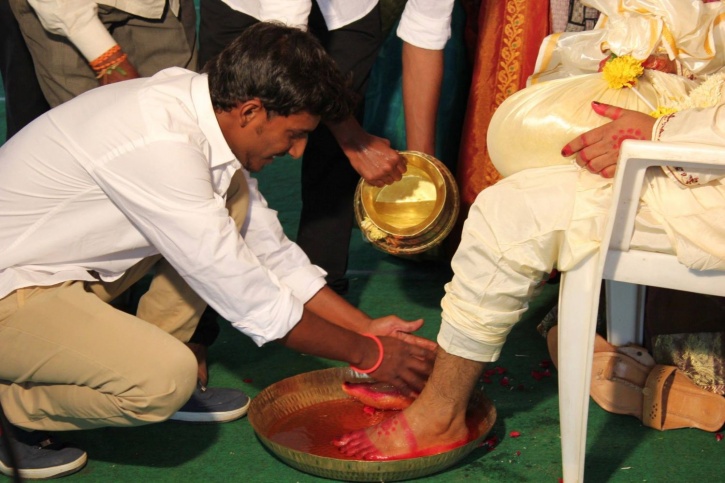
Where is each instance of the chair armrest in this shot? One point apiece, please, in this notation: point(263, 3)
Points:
point(634, 159)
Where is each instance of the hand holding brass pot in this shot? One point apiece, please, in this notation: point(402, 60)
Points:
point(412, 215)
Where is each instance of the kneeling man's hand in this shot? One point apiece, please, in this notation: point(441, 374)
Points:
point(394, 326)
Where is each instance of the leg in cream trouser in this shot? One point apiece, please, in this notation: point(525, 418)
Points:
point(69, 360)
point(516, 232)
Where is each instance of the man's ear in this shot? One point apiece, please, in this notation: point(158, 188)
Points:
point(250, 110)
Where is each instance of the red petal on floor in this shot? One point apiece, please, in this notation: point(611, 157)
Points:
point(248, 380)
point(718, 437)
point(518, 453)
point(537, 375)
point(500, 370)
point(486, 380)
point(514, 434)
point(491, 443)
point(504, 381)
point(545, 363)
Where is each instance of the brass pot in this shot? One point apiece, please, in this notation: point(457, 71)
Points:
point(412, 215)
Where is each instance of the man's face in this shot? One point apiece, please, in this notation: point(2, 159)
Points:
point(256, 138)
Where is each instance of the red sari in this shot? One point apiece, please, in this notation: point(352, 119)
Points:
point(505, 37)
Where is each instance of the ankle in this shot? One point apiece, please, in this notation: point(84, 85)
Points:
point(200, 352)
point(437, 418)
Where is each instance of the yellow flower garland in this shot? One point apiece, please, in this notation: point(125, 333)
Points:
point(663, 111)
point(622, 71)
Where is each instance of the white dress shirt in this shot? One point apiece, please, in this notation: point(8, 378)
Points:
point(138, 168)
point(78, 20)
point(424, 23)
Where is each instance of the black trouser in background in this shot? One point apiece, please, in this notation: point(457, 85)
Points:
point(24, 101)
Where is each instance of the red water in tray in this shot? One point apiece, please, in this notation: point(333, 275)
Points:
point(312, 429)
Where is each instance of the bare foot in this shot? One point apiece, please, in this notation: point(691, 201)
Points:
point(434, 423)
point(409, 434)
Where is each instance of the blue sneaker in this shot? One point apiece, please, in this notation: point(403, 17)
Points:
point(38, 456)
point(213, 405)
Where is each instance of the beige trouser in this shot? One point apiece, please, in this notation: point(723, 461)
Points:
point(69, 360)
point(151, 45)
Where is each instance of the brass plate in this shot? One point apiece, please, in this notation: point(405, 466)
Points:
point(298, 392)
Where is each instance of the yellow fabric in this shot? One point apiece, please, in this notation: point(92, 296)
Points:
point(531, 127)
point(686, 30)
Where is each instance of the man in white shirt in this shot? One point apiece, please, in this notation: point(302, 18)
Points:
point(78, 44)
point(154, 172)
point(339, 153)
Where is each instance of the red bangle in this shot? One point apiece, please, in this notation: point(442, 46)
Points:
point(381, 353)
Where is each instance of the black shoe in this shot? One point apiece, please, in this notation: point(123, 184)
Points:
point(213, 405)
point(39, 457)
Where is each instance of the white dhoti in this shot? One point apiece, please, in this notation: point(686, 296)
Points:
point(526, 225)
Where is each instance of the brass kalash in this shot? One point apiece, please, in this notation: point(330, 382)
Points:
point(412, 215)
point(407, 217)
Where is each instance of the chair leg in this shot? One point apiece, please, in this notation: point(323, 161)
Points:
point(625, 317)
point(578, 304)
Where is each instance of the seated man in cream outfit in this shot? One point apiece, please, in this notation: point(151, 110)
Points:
point(541, 218)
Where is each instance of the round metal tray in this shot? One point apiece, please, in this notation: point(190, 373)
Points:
point(298, 392)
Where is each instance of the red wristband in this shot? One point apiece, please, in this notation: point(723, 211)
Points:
point(381, 353)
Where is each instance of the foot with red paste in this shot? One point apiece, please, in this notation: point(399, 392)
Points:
point(379, 395)
point(434, 423)
point(400, 437)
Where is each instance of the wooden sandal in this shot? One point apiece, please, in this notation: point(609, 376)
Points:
point(617, 382)
point(671, 401)
point(626, 380)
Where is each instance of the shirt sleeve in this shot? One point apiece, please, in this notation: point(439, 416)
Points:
point(264, 234)
point(426, 23)
point(78, 21)
point(704, 126)
point(165, 189)
point(294, 13)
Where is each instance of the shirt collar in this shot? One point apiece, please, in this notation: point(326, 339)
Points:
point(200, 97)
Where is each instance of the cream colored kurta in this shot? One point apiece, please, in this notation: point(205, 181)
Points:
point(541, 218)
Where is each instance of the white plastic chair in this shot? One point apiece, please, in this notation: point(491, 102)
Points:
point(621, 267)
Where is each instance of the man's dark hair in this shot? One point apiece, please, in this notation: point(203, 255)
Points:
point(285, 68)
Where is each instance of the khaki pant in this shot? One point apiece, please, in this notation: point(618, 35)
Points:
point(151, 45)
point(69, 360)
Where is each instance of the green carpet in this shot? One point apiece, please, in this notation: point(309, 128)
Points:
point(619, 448)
